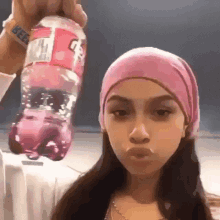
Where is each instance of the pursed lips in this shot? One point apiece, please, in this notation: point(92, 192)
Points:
point(139, 153)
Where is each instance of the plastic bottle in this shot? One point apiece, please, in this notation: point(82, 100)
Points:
point(51, 81)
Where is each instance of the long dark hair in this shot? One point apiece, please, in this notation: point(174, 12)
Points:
point(180, 185)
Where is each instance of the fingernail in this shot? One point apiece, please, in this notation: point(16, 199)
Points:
point(85, 17)
point(80, 6)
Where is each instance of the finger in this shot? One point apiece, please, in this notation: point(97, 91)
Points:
point(21, 13)
point(24, 6)
point(54, 6)
point(41, 4)
point(79, 16)
point(69, 7)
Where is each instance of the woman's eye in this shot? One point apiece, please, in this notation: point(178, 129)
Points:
point(163, 113)
point(119, 113)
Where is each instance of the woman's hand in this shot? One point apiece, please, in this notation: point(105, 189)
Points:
point(29, 12)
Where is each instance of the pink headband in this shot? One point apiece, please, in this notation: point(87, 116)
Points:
point(164, 68)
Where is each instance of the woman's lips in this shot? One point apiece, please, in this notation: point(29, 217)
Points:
point(138, 154)
point(140, 159)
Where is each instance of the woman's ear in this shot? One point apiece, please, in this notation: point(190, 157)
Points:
point(184, 131)
point(102, 126)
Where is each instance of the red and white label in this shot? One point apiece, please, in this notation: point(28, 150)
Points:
point(57, 47)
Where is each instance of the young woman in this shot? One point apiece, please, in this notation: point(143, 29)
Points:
point(149, 114)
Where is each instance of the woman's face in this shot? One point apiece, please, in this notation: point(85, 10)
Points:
point(136, 115)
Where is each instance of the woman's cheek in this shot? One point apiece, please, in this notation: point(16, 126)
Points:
point(167, 140)
point(116, 147)
point(179, 122)
point(163, 132)
point(172, 130)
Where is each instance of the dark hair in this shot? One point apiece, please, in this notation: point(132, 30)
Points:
point(180, 185)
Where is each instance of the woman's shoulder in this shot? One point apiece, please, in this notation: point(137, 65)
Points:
point(214, 204)
point(213, 199)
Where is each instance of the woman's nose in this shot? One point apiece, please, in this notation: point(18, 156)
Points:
point(139, 135)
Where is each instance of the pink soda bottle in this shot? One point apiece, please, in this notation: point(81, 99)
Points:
point(51, 81)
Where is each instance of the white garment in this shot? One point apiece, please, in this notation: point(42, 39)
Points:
point(29, 190)
point(5, 82)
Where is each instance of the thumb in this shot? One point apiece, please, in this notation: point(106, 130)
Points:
point(79, 16)
point(69, 7)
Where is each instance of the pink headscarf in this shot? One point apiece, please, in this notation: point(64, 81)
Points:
point(168, 70)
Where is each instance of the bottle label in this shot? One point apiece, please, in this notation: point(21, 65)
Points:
point(69, 51)
point(57, 47)
point(40, 49)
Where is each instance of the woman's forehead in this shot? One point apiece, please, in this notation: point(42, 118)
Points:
point(138, 89)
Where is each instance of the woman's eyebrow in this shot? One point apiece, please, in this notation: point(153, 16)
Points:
point(126, 100)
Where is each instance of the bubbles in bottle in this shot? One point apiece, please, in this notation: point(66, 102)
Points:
point(43, 127)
